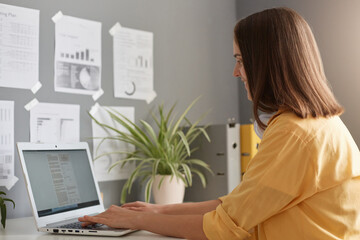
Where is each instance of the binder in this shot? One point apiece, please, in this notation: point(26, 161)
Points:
point(223, 156)
point(249, 145)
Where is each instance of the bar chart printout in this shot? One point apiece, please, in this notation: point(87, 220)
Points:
point(77, 55)
point(7, 177)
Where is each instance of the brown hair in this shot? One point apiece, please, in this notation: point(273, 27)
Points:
point(283, 65)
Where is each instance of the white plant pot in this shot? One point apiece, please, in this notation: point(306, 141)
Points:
point(169, 192)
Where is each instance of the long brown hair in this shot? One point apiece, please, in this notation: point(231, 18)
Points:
point(283, 65)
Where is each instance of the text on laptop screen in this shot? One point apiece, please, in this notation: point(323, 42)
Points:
point(61, 180)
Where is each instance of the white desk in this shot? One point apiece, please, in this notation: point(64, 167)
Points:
point(24, 229)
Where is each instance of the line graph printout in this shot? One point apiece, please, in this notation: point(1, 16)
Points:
point(19, 47)
point(133, 64)
point(7, 174)
point(77, 55)
point(50, 122)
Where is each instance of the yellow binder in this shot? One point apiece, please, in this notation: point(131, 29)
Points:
point(249, 143)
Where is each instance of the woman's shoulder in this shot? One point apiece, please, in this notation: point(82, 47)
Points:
point(305, 128)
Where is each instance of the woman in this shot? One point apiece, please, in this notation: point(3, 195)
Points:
point(304, 182)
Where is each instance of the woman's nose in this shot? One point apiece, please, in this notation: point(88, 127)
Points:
point(236, 72)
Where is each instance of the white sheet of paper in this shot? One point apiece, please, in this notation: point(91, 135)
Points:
point(102, 165)
point(133, 64)
point(7, 174)
point(77, 56)
point(19, 47)
point(51, 122)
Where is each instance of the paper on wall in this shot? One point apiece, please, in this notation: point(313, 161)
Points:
point(19, 47)
point(102, 164)
point(50, 122)
point(7, 174)
point(77, 55)
point(133, 63)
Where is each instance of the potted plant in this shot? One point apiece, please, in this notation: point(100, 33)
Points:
point(162, 155)
point(3, 207)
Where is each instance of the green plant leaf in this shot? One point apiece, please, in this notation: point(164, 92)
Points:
point(188, 121)
point(136, 137)
point(205, 134)
point(169, 113)
point(105, 126)
point(145, 175)
point(172, 168)
point(111, 153)
point(155, 166)
point(176, 126)
point(139, 145)
point(200, 163)
point(187, 172)
point(195, 124)
point(184, 140)
point(161, 180)
point(148, 187)
point(134, 174)
point(3, 213)
point(151, 131)
point(98, 147)
point(124, 193)
point(142, 160)
point(103, 140)
point(195, 134)
point(9, 200)
point(128, 184)
point(158, 124)
point(130, 126)
point(202, 177)
point(183, 179)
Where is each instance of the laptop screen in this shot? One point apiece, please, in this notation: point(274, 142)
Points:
point(61, 180)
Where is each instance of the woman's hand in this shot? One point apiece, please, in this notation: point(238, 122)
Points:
point(180, 226)
point(115, 217)
point(143, 207)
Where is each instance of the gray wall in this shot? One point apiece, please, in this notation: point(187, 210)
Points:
point(336, 26)
point(192, 57)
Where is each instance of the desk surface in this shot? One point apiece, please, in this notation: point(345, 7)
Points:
point(24, 229)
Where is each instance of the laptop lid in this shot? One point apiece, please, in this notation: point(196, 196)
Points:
point(60, 181)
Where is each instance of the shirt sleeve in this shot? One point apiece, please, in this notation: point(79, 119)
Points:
point(279, 177)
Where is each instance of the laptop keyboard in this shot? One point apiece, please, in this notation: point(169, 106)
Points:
point(77, 225)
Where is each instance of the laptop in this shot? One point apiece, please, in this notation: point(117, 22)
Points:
point(62, 187)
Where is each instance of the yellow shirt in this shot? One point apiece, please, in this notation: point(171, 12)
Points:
point(302, 184)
